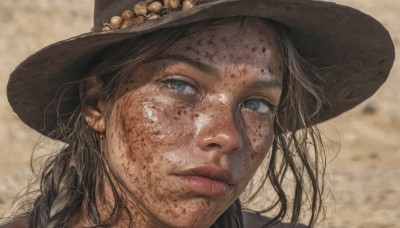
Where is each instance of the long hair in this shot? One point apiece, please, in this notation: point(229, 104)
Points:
point(297, 163)
point(74, 177)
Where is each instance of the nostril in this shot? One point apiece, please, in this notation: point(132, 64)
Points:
point(214, 146)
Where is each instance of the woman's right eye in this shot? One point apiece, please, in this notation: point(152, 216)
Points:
point(180, 86)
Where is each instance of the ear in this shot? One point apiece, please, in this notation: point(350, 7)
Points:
point(92, 105)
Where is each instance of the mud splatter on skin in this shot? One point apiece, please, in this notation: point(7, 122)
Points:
point(156, 131)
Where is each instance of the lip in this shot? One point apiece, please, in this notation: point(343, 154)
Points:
point(208, 180)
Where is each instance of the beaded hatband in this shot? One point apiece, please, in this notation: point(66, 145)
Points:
point(148, 10)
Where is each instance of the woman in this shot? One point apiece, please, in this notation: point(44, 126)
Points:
point(167, 121)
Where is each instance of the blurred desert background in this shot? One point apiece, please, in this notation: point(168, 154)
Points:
point(364, 176)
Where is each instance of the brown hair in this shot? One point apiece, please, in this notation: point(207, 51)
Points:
point(74, 177)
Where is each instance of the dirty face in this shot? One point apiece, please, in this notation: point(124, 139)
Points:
point(189, 129)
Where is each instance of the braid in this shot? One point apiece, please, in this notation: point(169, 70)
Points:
point(59, 196)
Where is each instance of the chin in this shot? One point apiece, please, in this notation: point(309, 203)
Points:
point(199, 214)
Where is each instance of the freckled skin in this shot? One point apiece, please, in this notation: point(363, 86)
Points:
point(153, 132)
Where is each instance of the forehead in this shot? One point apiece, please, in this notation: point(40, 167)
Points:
point(250, 40)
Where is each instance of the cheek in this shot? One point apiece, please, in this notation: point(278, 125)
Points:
point(145, 128)
point(260, 135)
point(140, 133)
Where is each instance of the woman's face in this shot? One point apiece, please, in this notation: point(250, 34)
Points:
point(189, 129)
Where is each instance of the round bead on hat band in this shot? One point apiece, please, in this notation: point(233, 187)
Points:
point(148, 10)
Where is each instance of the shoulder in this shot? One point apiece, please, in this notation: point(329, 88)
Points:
point(20, 222)
point(255, 220)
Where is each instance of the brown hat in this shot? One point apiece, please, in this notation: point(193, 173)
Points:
point(352, 52)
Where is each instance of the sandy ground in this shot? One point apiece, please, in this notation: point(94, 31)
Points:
point(364, 175)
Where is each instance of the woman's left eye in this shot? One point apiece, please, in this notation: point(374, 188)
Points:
point(180, 86)
point(257, 105)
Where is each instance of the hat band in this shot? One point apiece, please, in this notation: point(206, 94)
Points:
point(112, 15)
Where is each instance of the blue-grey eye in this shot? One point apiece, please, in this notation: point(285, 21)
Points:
point(257, 105)
point(181, 87)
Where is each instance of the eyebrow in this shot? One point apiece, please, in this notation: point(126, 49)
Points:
point(266, 84)
point(213, 71)
point(205, 68)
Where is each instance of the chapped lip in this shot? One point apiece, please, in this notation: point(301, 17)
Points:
point(211, 172)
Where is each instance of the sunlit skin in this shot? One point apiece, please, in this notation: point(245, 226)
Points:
point(210, 102)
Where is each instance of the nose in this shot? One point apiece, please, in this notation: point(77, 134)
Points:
point(218, 131)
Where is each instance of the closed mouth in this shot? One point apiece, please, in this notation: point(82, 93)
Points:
point(208, 180)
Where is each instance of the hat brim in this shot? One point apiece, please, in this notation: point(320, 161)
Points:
point(352, 52)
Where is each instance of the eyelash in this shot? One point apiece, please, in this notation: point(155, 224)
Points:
point(169, 84)
point(267, 105)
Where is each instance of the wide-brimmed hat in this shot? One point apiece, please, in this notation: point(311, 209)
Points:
point(352, 52)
